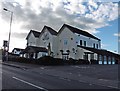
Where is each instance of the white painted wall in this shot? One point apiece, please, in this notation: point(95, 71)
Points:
point(52, 40)
point(44, 43)
point(55, 46)
point(32, 40)
point(57, 43)
point(80, 54)
point(66, 35)
point(0, 54)
point(89, 41)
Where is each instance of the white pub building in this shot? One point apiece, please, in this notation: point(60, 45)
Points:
point(68, 42)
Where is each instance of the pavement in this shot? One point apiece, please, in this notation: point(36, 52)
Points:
point(29, 76)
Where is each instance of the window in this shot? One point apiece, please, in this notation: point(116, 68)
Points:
point(109, 60)
point(100, 62)
point(92, 56)
point(100, 59)
point(85, 56)
point(113, 60)
point(105, 60)
point(84, 43)
point(94, 45)
point(81, 42)
point(97, 46)
point(71, 38)
point(43, 54)
point(65, 42)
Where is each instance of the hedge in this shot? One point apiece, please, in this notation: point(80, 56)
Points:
point(47, 60)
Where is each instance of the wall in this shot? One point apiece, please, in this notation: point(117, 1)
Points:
point(32, 41)
point(40, 54)
point(66, 35)
point(0, 54)
point(89, 41)
point(80, 54)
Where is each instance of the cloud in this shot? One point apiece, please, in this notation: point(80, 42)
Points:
point(19, 35)
point(104, 45)
point(34, 15)
point(117, 34)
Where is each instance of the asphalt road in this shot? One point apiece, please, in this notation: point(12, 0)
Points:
point(60, 77)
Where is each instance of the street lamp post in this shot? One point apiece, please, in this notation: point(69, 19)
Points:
point(10, 28)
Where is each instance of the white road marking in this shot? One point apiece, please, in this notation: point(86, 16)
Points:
point(42, 67)
point(29, 83)
point(103, 79)
point(64, 79)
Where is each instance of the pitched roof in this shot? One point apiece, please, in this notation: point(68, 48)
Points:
point(18, 49)
point(52, 31)
point(79, 31)
point(35, 33)
point(100, 51)
point(34, 49)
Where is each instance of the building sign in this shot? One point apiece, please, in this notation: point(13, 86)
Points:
point(5, 43)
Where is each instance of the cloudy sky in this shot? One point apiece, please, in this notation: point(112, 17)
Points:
point(99, 18)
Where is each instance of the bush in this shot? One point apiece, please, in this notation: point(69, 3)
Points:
point(82, 61)
point(20, 59)
point(47, 60)
point(94, 61)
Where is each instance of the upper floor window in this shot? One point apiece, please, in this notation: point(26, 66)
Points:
point(94, 45)
point(65, 42)
point(84, 43)
point(97, 46)
point(81, 42)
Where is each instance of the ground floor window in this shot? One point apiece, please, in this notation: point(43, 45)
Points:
point(105, 62)
point(109, 62)
point(43, 54)
point(113, 62)
point(100, 62)
point(65, 57)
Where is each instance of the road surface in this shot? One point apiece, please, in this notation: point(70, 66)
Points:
point(49, 78)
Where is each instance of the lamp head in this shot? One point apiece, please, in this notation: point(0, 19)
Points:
point(5, 9)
